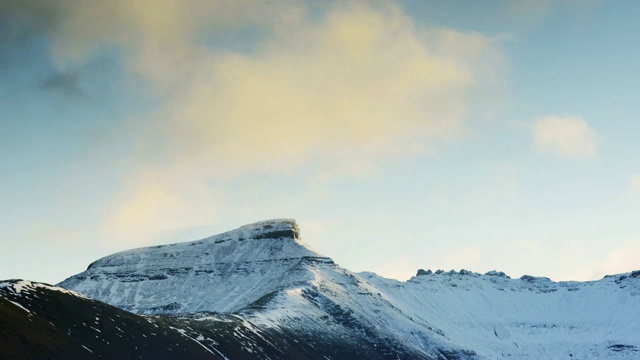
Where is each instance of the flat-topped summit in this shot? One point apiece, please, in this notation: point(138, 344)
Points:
point(284, 230)
point(274, 229)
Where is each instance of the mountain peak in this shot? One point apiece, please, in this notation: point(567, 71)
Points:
point(274, 229)
point(179, 277)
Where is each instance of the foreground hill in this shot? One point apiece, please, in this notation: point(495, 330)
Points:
point(39, 321)
point(266, 275)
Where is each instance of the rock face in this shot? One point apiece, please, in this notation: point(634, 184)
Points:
point(264, 274)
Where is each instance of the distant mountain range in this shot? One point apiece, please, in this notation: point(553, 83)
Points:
point(261, 292)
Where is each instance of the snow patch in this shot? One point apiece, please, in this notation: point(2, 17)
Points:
point(20, 306)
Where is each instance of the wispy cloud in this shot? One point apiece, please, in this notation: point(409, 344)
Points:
point(565, 136)
point(21, 20)
point(65, 82)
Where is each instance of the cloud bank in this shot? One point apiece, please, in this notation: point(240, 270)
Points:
point(251, 87)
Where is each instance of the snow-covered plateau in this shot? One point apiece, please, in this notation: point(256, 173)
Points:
point(266, 275)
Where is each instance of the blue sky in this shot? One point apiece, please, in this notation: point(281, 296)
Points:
point(401, 135)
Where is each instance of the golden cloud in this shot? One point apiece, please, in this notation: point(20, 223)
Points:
point(361, 80)
point(350, 84)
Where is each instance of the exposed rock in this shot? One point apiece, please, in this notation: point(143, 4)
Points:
point(422, 272)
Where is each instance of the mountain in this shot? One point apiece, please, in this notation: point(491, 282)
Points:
point(223, 273)
point(40, 321)
point(267, 276)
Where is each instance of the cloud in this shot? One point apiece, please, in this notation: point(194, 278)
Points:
point(21, 20)
point(360, 81)
point(21, 24)
point(344, 85)
point(65, 82)
point(157, 40)
point(153, 201)
point(566, 136)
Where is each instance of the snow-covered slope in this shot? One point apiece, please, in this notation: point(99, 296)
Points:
point(221, 273)
point(264, 273)
point(530, 317)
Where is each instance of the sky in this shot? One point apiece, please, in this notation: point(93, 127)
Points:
point(400, 135)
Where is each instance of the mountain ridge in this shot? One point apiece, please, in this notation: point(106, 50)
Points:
point(266, 274)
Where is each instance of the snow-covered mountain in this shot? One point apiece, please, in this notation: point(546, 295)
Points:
point(222, 273)
point(266, 275)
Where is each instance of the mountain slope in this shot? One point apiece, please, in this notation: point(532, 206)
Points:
point(222, 273)
point(264, 274)
point(530, 317)
point(41, 321)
